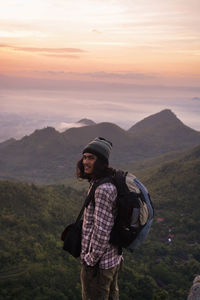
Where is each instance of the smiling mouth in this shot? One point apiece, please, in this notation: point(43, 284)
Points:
point(87, 168)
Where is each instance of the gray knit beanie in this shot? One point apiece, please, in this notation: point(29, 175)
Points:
point(99, 147)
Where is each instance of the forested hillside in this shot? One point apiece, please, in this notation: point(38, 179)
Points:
point(34, 266)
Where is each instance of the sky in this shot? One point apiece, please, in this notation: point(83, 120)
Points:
point(118, 60)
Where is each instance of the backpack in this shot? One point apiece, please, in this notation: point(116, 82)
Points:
point(134, 211)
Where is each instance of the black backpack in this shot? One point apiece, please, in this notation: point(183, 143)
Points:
point(134, 211)
point(134, 215)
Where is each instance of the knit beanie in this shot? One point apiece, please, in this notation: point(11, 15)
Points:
point(99, 147)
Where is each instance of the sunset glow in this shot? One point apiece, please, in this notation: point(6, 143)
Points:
point(114, 36)
point(151, 43)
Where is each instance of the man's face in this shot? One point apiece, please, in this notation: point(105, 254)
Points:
point(88, 162)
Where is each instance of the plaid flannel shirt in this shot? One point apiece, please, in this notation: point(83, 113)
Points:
point(97, 224)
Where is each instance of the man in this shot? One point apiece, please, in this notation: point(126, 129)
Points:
point(100, 260)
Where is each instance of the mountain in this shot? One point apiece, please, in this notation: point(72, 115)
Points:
point(47, 155)
point(17, 125)
point(86, 122)
point(164, 118)
point(180, 176)
point(35, 156)
point(81, 136)
point(7, 143)
point(175, 190)
point(63, 126)
point(163, 130)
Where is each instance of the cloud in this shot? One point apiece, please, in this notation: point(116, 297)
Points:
point(14, 82)
point(64, 126)
point(61, 56)
point(96, 31)
point(101, 74)
point(43, 49)
point(12, 28)
point(50, 50)
point(120, 75)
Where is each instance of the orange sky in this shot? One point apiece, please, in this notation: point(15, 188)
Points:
point(108, 60)
point(140, 41)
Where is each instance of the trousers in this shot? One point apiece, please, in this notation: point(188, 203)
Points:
point(99, 284)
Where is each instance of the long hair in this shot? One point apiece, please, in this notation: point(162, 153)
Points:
point(101, 170)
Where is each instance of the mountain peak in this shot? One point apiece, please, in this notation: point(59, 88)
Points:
point(164, 129)
point(161, 119)
point(40, 135)
point(45, 131)
point(86, 121)
point(165, 113)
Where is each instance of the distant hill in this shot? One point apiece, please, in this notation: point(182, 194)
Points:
point(47, 155)
point(180, 176)
point(165, 119)
point(7, 143)
point(86, 122)
point(63, 126)
point(18, 125)
point(175, 191)
point(164, 131)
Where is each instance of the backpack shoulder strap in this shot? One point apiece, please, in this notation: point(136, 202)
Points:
point(95, 185)
point(89, 197)
point(119, 180)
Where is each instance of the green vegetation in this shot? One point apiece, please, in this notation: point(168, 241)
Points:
point(34, 266)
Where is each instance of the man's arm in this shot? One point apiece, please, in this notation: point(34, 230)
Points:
point(105, 196)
